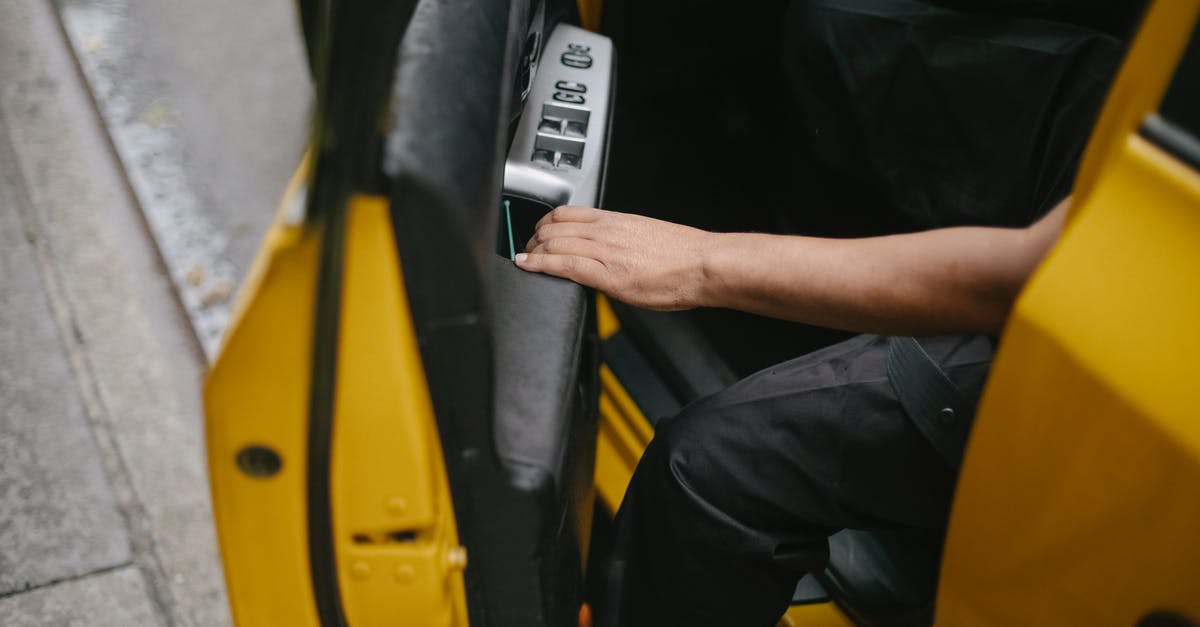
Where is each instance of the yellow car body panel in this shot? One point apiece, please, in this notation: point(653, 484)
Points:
point(1079, 501)
point(257, 395)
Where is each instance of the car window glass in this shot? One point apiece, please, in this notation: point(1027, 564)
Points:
point(1176, 126)
point(1181, 105)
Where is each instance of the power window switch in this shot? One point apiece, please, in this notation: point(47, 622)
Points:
point(575, 116)
point(575, 129)
point(568, 160)
point(545, 157)
point(559, 143)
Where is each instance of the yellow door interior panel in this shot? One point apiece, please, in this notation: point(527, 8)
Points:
point(398, 555)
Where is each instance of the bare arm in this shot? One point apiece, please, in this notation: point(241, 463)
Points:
point(961, 279)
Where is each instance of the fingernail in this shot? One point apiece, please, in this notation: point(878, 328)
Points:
point(520, 258)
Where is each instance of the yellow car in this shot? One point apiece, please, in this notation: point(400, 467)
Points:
point(405, 429)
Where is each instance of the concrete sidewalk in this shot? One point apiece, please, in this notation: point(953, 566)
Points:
point(104, 508)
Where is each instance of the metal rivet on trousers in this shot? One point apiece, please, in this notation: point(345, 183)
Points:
point(946, 415)
point(360, 570)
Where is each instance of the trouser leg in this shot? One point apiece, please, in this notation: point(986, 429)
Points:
point(735, 497)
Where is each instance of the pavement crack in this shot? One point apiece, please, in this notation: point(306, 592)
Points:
point(96, 572)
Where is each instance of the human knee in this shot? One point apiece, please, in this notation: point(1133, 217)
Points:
point(684, 451)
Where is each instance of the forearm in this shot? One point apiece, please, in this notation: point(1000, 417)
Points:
point(949, 280)
point(943, 281)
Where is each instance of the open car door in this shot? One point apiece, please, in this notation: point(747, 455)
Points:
point(401, 424)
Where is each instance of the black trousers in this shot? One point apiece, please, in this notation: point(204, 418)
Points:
point(972, 114)
point(735, 497)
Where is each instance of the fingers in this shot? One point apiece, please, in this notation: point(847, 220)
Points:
point(573, 246)
point(560, 247)
point(557, 230)
point(570, 213)
point(589, 272)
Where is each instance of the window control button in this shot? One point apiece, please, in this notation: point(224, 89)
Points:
point(569, 160)
point(575, 129)
point(543, 156)
point(550, 126)
point(559, 111)
point(559, 143)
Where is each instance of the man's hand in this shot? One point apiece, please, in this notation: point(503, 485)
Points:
point(637, 260)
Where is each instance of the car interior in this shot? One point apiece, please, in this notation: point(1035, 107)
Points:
point(677, 111)
point(706, 134)
point(489, 114)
